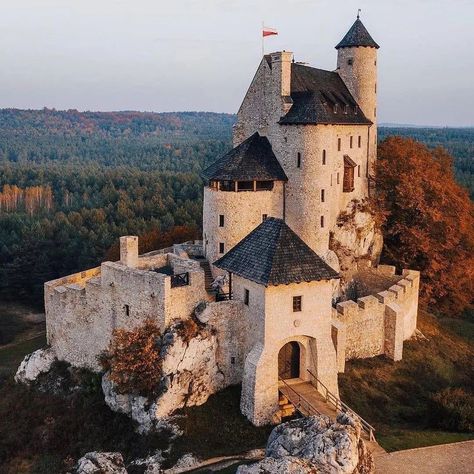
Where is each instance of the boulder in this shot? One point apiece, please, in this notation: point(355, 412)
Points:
point(184, 464)
point(315, 445)
point(100, 463)
point(190, 374)
point(35, 364)
point(150, 464)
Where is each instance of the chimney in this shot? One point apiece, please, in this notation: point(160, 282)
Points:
point(281, 71)
point(129, 250)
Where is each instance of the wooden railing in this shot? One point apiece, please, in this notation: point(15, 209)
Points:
point(299, 402)
point(181, 279)
point(339, 405)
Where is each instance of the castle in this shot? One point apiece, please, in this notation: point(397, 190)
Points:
point(285, 232)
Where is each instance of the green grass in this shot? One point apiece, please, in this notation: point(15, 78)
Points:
point(11, 356)
point(462, 327)
point(408, 402)
point(408, 439)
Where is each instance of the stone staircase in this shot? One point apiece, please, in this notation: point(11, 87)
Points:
point(286, 408)
point(208, 278)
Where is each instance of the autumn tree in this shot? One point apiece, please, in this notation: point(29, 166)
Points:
point(429, 222)
point(133, 359)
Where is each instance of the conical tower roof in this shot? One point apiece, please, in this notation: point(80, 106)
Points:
point(357, 36)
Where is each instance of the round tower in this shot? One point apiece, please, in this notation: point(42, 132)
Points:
point(244, 187)
point(357, 66)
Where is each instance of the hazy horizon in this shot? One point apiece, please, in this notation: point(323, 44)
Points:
point(201, 55)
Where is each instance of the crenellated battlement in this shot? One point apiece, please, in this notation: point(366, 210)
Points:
point(379, 323)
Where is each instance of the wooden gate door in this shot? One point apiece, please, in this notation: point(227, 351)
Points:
point(289, 361)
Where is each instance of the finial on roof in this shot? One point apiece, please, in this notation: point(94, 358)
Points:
point(358, 13)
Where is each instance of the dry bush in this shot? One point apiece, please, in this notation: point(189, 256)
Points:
point(133, 359)
point(453, 409)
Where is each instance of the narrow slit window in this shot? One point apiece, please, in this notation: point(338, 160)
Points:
point(351, 141)
point(322, 195)
point(324, 157)
point(297, 303)
point(337, 181)
point(221, 220)
point(360, 141)
point(339, 144)
point(264, 217)
point(246, 297)
point(322, 222)
point(358, 171)
point(221, 247)
point(127, 310)
point(298, 160)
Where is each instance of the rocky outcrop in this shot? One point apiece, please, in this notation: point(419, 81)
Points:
point(315, 445)
point(35, 364)
point(100, 463)
point(190, 374)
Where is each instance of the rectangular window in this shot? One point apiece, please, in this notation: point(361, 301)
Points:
point(264, 217)
point(331, 179)
point(127, 310)
point(298, 160)
point(338, 144)
point(264, 185)
point(245, 186)
point(227, 186)
point(337, 181)
point(221, 220)
point(360, 141)
point(324, 157)
point(232, 360)
point(221, 247)
point(351, 140)
point(246, 297)
point(350, 61)
point(358, 171)
point(322, 195)
point(297, 303)
point(322, 222)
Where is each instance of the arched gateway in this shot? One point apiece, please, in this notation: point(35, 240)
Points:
point(289, 361)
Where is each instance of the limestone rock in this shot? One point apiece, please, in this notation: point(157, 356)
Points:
point(190, 374)
point(100, 463)
point(184, 464)
point(34, 364)
point(150, 464)
point(316, 445)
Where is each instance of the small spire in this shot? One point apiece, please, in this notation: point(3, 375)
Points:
point(358, 13)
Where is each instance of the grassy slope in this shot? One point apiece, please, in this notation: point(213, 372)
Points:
point(396, 397)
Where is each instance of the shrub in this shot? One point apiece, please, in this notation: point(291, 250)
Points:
point(453, 409)
point(133, 359)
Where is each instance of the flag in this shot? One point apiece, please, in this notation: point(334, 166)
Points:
point(269, 31)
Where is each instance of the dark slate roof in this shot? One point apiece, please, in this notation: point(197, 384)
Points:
point(357, 36)
point(252, 160)
point(273, 254)
point(315, 93)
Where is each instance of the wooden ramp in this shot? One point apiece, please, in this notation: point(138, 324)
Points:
point(309, 400)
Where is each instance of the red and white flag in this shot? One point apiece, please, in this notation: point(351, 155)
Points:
point(269, 31)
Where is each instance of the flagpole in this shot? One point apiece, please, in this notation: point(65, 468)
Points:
point(263, 38)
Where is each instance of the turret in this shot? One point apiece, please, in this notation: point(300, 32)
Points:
point(357, 66)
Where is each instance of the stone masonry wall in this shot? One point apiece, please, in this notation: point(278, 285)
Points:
point(82, 310)
point(378, 324)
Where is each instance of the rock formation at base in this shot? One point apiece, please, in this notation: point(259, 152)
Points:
point(315, 445)
point(190, 374)
point(35, 364)
point(100, 463)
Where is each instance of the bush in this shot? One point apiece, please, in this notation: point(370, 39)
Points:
point(453, 409)
point(133, 359)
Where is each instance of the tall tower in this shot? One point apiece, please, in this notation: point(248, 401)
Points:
point(357, 66)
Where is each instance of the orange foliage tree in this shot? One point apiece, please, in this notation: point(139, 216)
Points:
point(429, 222)
point(155, 240)
point(133, 359)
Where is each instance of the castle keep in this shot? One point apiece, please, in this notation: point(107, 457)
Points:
point(288, 239)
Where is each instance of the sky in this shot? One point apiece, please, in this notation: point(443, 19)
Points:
point(176, 55)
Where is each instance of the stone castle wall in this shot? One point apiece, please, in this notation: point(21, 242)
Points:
point(378, 324)
point(83, 309)
point(243, 212)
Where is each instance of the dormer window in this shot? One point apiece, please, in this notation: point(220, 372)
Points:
point(335, 108)
point(346, 109)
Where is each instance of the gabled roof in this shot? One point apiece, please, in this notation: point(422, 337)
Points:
point(252, 160)
point(321, 97)
point(357, 36)
point(273, 254)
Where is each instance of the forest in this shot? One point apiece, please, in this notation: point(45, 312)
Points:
point(72, 182)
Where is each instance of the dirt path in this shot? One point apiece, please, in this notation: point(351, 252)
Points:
point(456, 458)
